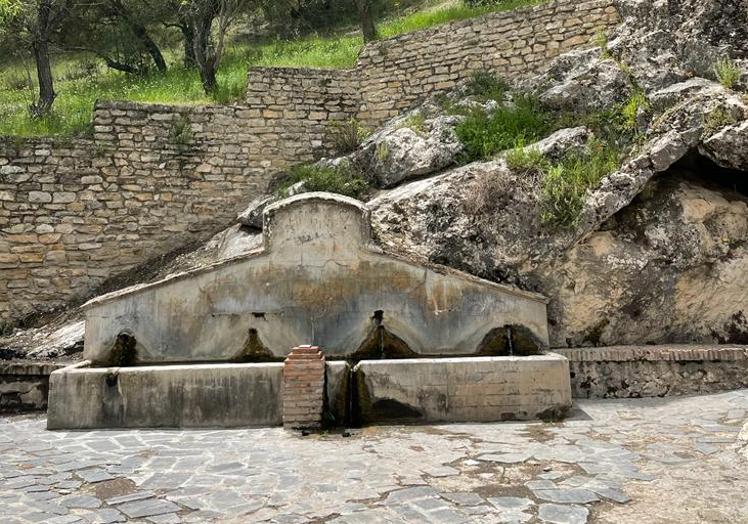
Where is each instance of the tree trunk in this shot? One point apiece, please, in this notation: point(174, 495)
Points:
point(368, 28)
point(140, 32)
point(204, 57)
point(40, 48)
point(188, 41)
point(208, 78)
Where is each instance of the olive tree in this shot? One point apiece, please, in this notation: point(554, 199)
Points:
point(32, 25)
point(209, 21)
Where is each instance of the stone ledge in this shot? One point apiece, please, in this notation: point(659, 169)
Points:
point(30, 367)
point(669, 353)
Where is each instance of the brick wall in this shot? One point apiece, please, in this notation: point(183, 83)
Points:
point(154, 178)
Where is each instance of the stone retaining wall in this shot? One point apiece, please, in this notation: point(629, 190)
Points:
point(155, 178)
point(656, 371)
point(24, 386)
point(393, 75)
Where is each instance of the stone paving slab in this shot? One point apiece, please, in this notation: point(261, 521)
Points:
point(646, 460)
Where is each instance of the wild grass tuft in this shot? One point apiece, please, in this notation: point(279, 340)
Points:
point(347, 135)
point(344, 179)
point(727, 72)
point(526, 160)
point(565, 186)
point(486, 134)
point(486, 86)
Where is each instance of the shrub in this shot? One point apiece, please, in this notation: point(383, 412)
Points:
point(486, 134)
point(727, 72)
point(565, 185)
point(343, 179)
point(486, 85)
point(347, 135)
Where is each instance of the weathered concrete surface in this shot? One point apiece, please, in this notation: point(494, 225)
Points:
point(318, 280)
point(473, 389)
point(24, 385)
point(656, 371)
point(643, 461)
point(200, 395)
point(337, 375)
point(197, 395)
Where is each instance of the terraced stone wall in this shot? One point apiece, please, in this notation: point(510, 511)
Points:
point(154, 178)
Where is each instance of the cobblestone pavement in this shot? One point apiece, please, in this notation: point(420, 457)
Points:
point(651, 460)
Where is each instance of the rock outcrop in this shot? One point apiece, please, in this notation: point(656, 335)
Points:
point(659, 252)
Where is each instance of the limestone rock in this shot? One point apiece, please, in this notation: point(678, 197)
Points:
point(252, 214)
point(563, 141)
point(729, 147)
point(583, 81)
point(410, 150)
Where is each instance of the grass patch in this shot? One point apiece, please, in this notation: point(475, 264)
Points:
point(526, 160)
point(344, 180)
point(81, 80)
point(416, 123)
point(486, 134)
point(348, 135)
point(565, 185)
point(727, 72)
point(486, 86)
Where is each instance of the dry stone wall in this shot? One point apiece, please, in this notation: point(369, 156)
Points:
point(153, 178)
point(395, 74)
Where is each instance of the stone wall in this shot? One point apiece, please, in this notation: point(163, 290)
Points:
point(155, 178)
point(395, 74)
point(24, 385)
point(656, 371)
point(152, 179)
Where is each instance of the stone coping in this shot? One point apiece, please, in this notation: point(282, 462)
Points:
point(669, 353)
point(31, 367)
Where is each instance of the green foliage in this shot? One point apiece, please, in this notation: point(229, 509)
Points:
point(601, 41)
point(78, 87)
point(566, 184)
point(486, 134)
point(486, 86)
point(347, 135)
point(343, 179)
point(727, 72)
point(630, 110)
point(416, 122)
point(526, 160)
point(180, 133)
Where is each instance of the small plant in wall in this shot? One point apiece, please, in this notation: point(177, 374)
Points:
point(727, 72)
point(181, 133)
point(347, 135)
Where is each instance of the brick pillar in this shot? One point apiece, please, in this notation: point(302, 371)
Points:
point(303, 388)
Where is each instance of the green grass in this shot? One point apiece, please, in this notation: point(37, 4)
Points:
point(484, 135)
point(727, 72)
point(344, 180)
point(78, 88)
point(565, 185)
